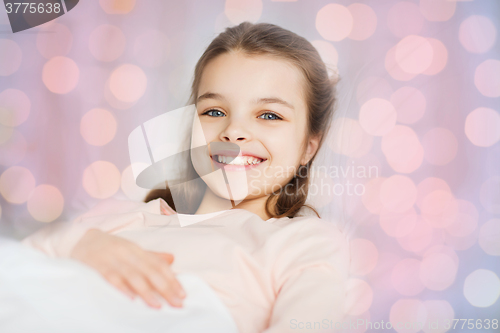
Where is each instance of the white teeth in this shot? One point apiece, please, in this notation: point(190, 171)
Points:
point(239, 160)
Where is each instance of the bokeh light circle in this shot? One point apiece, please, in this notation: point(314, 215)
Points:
point(364, 21)
point(393, 68)
point(407, 311)
point(107, 42)
point(60, 75)
point(402, 149)
point(438, 311)
point(381, 274)
point(477, 34)
point(128, 83)
point(482, 288)
point(113, 101)
point(487, 78)
point(465, 221)
point(398, 193)
point(440, 208)
point(238, 11)
point(439, 57)
point(419, 238)
point(371, 197)
point(437, 10)
point(16, 184)
point(437, 271)
point(410, 104)
point(377, 116)
point(429, 185)
point(14, 107)
point(448, 250)
point(101, 179)
point(482, 127)
point(10, 57)
point(45, 203)
point(414, 54)
point(98, 127)
point(334, 22)
point(398, 224)
point(440, 146)
point(489, 234)
point(54, 40)
point(117, 6)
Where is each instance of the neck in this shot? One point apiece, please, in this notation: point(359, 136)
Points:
point(212, 203)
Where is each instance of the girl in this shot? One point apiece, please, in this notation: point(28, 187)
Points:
point(265, 91)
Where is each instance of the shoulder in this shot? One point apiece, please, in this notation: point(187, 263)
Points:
point(312, 236)
point(309, 242)
point(311, 225)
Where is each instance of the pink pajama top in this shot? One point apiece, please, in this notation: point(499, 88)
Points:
point(273, 276)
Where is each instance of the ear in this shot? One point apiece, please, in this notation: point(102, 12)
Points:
point(312, 147)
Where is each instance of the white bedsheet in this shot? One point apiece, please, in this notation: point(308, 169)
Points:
point(51, 295)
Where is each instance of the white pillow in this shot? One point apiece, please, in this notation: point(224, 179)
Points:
point(51, 295)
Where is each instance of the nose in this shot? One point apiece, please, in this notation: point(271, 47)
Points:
point(235, 131)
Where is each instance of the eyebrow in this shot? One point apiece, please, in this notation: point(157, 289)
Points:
point(264, 100)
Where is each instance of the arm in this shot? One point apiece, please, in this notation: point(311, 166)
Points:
point(124, 264)
point(311, 279)
point(59, 238)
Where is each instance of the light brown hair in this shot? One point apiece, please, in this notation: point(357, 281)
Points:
point(271, 40)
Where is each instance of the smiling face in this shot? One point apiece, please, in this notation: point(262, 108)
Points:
point(255, 105)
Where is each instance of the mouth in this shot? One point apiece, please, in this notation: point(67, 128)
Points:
point(238, 160)
point(232, 161)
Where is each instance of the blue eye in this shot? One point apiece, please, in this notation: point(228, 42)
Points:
point(218, 113)
point(214, 113)
point(270, 116)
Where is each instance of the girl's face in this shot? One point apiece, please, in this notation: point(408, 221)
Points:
point(256, 104)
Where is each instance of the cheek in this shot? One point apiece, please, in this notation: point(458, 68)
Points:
point(197, 134)
point(284, 147)
point(203, 133)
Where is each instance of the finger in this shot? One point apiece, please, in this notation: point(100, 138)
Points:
point(120, 283)
point(166, 256)
point(162, 279)
point(165, 284)
point(167, 272)
point(141, 286)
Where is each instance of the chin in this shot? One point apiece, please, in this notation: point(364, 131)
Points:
point(236, 189)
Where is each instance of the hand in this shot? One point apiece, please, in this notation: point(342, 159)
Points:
point(130, 268)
